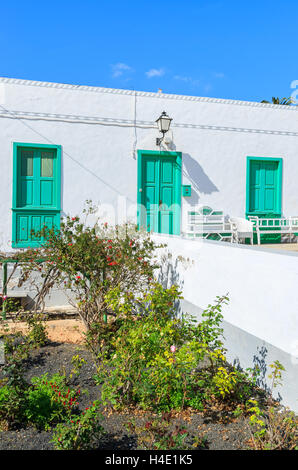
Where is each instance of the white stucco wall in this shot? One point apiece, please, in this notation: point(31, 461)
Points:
point(261, 285)
point(262, 312)
point(101, 129)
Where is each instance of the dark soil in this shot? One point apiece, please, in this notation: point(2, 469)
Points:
point(221, 430)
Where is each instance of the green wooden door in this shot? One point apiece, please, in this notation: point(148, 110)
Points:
point(36, 192)
point(160, 191)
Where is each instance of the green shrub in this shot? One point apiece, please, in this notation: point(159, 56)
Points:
point(49, 400)
point(44, 402)
point(79, 432)
point(272, 429)
point(90, 261)
point(12, 405)
point(160, 361)
point(16, 350)
point(159, 434)
point(37, 335)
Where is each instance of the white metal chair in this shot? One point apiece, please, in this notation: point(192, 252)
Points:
point(241, 229)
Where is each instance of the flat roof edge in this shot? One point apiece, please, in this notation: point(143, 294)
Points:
point(94, 89)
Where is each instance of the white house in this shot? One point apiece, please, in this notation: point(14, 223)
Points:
point(64, 144)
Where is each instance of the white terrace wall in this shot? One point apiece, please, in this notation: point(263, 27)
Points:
point(100, 130)
point(261, 318)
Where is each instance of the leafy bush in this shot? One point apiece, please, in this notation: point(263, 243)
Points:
point(98, 338)
point(91, 260)
point(49, 400)
point(16, 350)
point(80, 432)
point(14, 386)
point(223, 382)
point(12, 405)
point(160, 361)
point(43, 402)
point(37, 335)
point(272, 429)
point(159, 434)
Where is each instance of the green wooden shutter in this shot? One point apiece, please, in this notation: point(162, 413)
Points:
point(36, 192)
point(264, 186)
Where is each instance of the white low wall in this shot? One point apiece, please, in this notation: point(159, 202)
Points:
point(262, 286)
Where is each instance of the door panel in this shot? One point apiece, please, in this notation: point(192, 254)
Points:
point(36, 226)
point(255, 186)
point(167, 195)
point(23, 230)
point(46, 193)
point(270, 186)
point(26, 193)
point(151, 177)
point(25, 197)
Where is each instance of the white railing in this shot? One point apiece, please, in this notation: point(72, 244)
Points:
point(271, 225)
point(204, 222)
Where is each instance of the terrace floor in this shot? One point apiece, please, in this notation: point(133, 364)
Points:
point(279, 246)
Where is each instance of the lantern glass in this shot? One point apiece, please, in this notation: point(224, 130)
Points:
point(164, 122)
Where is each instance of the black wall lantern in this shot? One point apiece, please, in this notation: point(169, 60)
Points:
point(163, 123)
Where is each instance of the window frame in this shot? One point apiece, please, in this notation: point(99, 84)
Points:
point(55, 210)
point(279, 161)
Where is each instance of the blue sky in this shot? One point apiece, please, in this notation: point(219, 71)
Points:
point(245, 50)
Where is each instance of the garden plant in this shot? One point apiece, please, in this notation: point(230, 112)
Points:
point(148, 357)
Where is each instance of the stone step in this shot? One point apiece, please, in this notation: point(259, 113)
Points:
point(17, 294)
